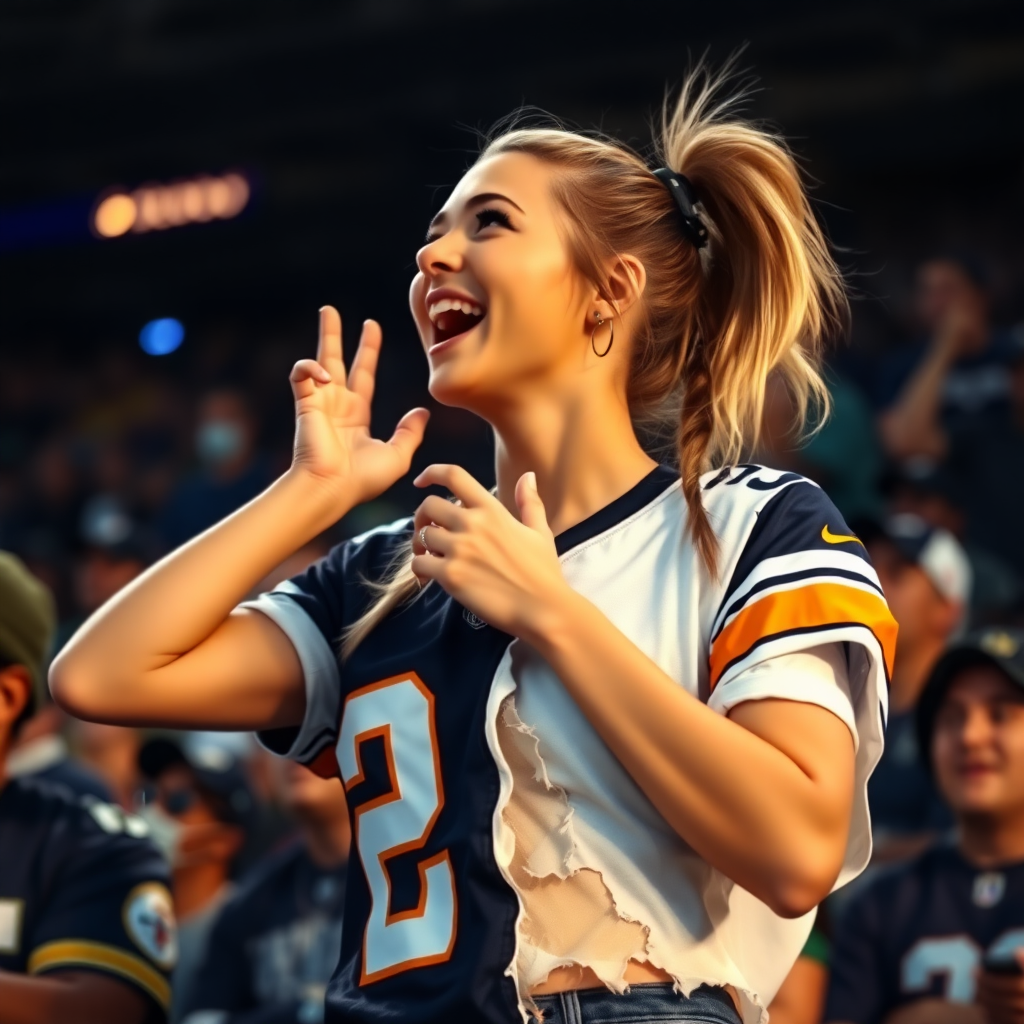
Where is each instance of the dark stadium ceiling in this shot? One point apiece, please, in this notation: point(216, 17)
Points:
point(351, 118)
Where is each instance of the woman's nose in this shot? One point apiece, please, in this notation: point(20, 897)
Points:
point(440, 256)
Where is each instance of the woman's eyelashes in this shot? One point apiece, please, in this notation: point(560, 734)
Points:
point(485, 218)
point(489, 216)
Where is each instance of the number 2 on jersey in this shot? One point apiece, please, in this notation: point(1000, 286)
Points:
point(400, 711)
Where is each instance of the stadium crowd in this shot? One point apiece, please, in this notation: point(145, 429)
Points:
point(105, 466)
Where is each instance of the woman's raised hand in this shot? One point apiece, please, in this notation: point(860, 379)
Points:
point(332, 418)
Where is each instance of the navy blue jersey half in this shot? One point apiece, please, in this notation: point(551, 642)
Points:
point(81, 888)
point(921, 930)
point(436, 661)
point(275, 944)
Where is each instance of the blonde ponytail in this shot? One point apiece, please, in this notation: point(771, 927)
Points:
point(771, 291)
point(759, 299)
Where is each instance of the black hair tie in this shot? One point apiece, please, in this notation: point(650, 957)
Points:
point(682, 192)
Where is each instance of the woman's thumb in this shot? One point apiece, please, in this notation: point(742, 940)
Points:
point(531, 508)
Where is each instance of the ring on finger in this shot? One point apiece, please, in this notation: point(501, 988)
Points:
point(423, 539)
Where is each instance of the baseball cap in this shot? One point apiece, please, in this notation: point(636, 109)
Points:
point(216, 766)
point(28, 617)
point(933, 549)
point(1001, 646)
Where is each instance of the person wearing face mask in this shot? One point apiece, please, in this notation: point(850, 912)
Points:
point(276, 941)
point(231, 469)
point(196, 809)
point(605, 731)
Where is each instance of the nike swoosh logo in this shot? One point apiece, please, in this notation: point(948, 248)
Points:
point(839, 538)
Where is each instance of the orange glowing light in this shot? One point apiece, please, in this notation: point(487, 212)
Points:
point(154, 207)
point(115, 215)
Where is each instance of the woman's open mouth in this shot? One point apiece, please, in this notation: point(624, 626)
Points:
point(452, 318)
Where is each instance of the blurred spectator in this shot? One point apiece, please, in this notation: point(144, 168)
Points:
point(86, 924)
point(112, 753)
point(843, 454)
point(114, 554)
point(986, 459)
point(801, 999)
point(40, 751)
point(941, 940)
point(100, 571)
point(957, 370)
point(232, 471)
point(277, 941)
point(200, 807)
point(926, 580)
point(929, 490)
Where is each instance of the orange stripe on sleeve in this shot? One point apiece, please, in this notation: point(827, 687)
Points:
point(810, 607)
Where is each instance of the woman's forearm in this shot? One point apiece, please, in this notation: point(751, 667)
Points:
point(775, 822)
point(180, 601)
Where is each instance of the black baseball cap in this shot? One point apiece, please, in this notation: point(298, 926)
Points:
point(1001, 646)
point(217, 769)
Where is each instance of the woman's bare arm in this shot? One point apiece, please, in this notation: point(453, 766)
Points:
point(168, 649)
point(764, 795)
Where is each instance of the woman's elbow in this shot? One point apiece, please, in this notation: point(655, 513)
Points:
point(74, 688)
point(798, 891)
point(795, 899)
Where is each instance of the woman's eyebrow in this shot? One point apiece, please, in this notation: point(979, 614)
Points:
point(477, 200)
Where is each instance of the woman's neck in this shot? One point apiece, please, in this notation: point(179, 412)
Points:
point(584, 452)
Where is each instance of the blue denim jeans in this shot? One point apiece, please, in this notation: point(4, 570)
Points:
point(641, 1004)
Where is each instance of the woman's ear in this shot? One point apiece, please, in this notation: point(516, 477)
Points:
point(627, 279)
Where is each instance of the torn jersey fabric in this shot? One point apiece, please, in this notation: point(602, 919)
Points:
point(435, 919)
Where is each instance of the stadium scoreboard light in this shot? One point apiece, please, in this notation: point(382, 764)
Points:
point(155, 207)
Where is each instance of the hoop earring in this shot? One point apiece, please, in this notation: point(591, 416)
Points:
point(611, 335)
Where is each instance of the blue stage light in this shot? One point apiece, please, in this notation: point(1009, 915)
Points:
point(161, 337)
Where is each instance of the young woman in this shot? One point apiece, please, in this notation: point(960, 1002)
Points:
point(606, 730)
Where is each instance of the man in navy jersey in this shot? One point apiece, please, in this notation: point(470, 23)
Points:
point(277, 941)
point(941, 940)
point(87, 934)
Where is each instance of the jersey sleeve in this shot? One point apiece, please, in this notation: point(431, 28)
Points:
point(313, 609)
point(800, 583)
point(856, 989)
point(108, 908)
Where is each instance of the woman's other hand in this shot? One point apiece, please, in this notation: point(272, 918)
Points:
point(332, 418)
point(504, 570)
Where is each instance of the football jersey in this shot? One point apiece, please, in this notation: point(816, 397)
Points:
point(275, 944)
point(81, 888)
point(409, 721)
point(921, 930)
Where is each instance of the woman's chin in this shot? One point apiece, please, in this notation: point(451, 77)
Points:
point(449, 386)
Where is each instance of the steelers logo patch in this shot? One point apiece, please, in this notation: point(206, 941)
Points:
point(149, 921)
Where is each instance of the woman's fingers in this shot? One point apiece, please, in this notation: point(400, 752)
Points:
point(471, 493)
point(409, 433)
point(328, 351)
point(436, 509)
point(363, 374)
point(306, 376)
point(438, 541)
